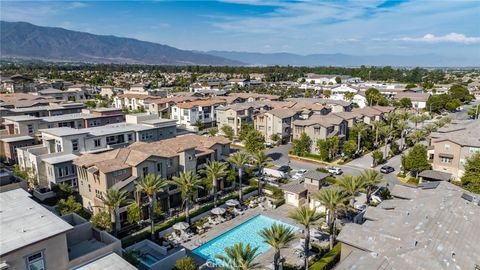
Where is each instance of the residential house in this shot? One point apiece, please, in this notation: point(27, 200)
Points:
point(320, 127)
point(239, 82)
point(237, 114)
point(120, 168)
point(432, 226)
point(419, 100)
point(338, 93)
point(67, 95)
point(9, 144)
point(452, 145)
point(190, 114)
point(276, 121)
point(249, 97)
point(298, 194)
point(35, 238)
point(371, 114)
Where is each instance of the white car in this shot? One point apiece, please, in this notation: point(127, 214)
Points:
point(299, 174)
point(334, 170)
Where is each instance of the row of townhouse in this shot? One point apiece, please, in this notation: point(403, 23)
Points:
point(452, 145)
point(51, 161)
point(120, 168)
point(190, 114)
point(76, 94)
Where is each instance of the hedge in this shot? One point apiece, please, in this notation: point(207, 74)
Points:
point(329, 259)
point(145, 233)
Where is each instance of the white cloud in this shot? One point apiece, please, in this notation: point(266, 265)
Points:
point(78, 5)
point(448, 38)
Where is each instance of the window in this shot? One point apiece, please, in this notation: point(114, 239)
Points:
point(98, 194)
point(169, 163)
point(75, 145)
point(159, 168)
point(97, 142)
point(130, 137)
point(447, 146)
point(30, 128)
point(119, 173)
point(89, 188)
point(36, 261)
point(145, 171)
point(316, 131)
point(446, 160)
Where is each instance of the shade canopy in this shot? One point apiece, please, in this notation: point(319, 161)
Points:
point(232, 202)
point(181, 226)
point(218, 211)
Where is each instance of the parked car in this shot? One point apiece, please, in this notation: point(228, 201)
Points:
point(334, 170)
point(275, 173)
point(386, 169)
point(284, 168)
point(299, 174)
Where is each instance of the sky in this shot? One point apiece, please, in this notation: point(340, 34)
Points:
point(360, 27)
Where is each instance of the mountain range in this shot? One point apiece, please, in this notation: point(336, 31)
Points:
point(25, 41)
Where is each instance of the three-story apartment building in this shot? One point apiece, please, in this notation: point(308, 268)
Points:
point(189, 114)
point(235, 115)
point(276, 121)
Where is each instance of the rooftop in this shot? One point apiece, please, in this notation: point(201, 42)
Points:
point(24, 222)
point(111, 261)
point(16, 139)
point(60, 158)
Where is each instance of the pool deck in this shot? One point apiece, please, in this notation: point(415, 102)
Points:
point(266, 258)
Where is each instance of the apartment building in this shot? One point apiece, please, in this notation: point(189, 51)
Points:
point(237, 114)
point(450, 146)
point(320, 127)
point(30, 125)
point(276, 121)
point(332, 105)
point(189, 114)
point(249, 97)
point(373, 113)
point(35, 238)
point(51, 161)
point(119, 168)
point(9, 145)
point(77, 95)
point(163, 106)
point(50, 110)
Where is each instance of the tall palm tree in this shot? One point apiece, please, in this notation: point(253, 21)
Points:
point(377, 124)
point(417, 118)
point(402, 127)
point(113, 199)
point(390, 118)
point(333, 200)
point(239, 160)
point(361, 129)
point(305, 216)
point(150, 185)
point(370, 179)
point(188, 183)
point(277, 236)
point(403, 115)
point(351, 185)
point(416, 136)
point(429, 128)
point(239, 257)
point(387, 133)
point(214, 171)
point(261, 160)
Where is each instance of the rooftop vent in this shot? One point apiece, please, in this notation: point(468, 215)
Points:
point(415, 243)
point(467, 197)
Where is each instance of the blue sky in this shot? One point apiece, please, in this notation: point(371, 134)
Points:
point(360, 27)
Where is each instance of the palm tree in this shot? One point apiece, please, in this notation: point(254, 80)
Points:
point(377, 124)
point(416, 136)
point(361, 129)
point(351, 185)
point(417, 118)
point(239, 160)
point(370, 179)
point(333, 200)
point(239, 257)
point(150, 185)
point(429, 128)
point(215, 170)
point(188, 183)
point(387, 133)
point(401, 127)
point(113, 199)
point(261, 160)
point(305, 216)
point(277, 236)
point(403, 115)
point(390, 118)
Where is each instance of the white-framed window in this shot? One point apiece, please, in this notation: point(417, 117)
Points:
point(36, 261)
point(446, 160)
point(30, 128)
point(75, 145)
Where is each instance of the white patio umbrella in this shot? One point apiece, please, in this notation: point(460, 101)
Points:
point(181, 226)
point(218, 211)
point(232, 202)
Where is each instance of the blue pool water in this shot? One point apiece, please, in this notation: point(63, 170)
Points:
point(246, 232)
point(148, 260)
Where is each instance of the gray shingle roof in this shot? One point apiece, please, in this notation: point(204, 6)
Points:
point(316, 175)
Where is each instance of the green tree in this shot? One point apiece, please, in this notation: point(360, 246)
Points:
point(275, 138)
point(113, 199)
point(401, 127)
point(372, 95)
point(371, 179)
point(261, 160)
point(349, 96)
point(471, 178)
point(333, 200)
point(90, 104)
point(239, 257)
point(305, 216)
point(460, 92)
point(239, 160)
point(254, 141)
point(302, 144)
point(188, 183)
point(349, 148)
point(338, 80)
point(322, 148)
point(244, 130)
point(70, 205)
point(213, 132)
point(327, 93)
point(453, 104)
point(214, 171)
point(351, 185)
point(278, 236)
point(228, 132)
point(150, 185)
point(377, 157)
point(186, 263)
point(474, 112)
point(387, 133)
point(416, 136)
point(377, 124)
point(102, 220)
point(406, 103)
point(133, 213)
point(360, 129)
point(410, 86)
point(417, 160)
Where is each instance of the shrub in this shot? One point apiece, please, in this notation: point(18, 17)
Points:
point(185, 263)
point(329, 259)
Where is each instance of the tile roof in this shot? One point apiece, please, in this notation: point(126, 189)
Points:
point(200, 103)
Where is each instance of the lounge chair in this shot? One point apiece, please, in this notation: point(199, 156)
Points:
point(238, 212)
point(212, 221)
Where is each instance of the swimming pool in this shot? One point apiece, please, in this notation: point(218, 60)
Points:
point(246, 232)
point(148, 260)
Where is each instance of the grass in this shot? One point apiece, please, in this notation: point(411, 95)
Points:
point(329, 260)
